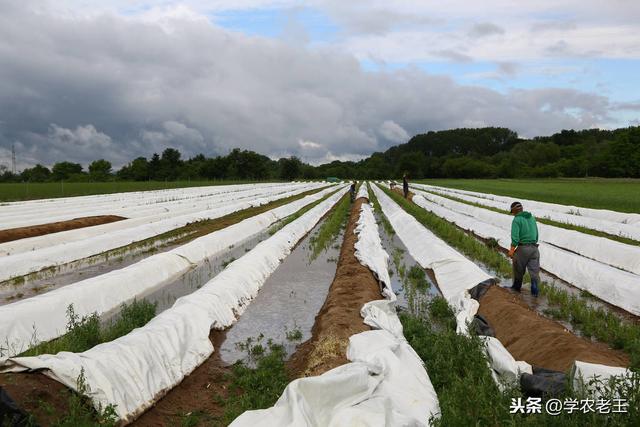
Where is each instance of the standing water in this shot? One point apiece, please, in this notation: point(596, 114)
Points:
point(285, 309)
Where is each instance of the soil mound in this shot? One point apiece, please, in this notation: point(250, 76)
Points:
point(12, 234)
point(537, 340)
point(339, 318)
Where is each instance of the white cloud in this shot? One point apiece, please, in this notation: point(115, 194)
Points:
point(393, 132)
point(120, 87)
point(309, 145)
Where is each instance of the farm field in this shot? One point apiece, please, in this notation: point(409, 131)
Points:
point(615, 194)
point(10, 192)
point(266, 304)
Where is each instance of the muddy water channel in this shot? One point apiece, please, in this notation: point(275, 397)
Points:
point(411, 283)
point(285, 309)
point(50, 279)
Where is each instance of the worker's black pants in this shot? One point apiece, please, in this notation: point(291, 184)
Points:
point(527, 257)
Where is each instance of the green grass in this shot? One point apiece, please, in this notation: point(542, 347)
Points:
point(86, 332)
point(44, 190)
point(600, 193)
point(258, 387)
point(596, 322)
point(289, 219)
point(547, 221)
point(373, 200)
point(331, 227)
point(468, 395)
point(80, 411)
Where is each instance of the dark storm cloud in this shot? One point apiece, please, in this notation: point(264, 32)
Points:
point(106, 86)
point(485, 29)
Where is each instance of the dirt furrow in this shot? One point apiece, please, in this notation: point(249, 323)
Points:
point(339, 318)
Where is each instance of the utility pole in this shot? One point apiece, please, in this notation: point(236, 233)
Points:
point(13, 158)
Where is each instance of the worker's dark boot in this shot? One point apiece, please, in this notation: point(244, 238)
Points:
point(534, 287)
point(517, 284)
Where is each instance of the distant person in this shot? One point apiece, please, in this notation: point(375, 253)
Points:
point(352, 191)
point(524, 248)
point(392, 185)
point(405, 186)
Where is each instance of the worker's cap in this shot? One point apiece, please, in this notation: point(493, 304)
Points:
point(516, 206)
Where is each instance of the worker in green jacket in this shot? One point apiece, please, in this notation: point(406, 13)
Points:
point(524, 248)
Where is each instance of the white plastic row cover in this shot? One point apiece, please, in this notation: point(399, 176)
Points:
point(385, 383)
point(45, 315)
point(161, 212)
point(607, 251)
point(610, 284)
point(129, 205)
point(65, 252)
point(455, 275)
point(603, 222)
point(134, 371)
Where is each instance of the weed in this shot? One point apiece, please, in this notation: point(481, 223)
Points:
point(467, 393)
point(294, 335)
point(86, 332)
point(81, 413)
point(289, 219)
point(602, 324)
point(331, 227)
point(256, 388)
point(548, 221)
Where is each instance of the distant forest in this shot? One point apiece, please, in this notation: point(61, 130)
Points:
point(459, 153)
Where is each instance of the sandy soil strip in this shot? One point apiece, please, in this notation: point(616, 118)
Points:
point(339, 318)
point(538, 340)
point(12, 234)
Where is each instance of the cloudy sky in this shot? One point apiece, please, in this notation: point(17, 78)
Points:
point(323, 79)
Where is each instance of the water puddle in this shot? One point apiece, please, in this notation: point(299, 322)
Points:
point(285, 309)
point(413, 286)
point(195, 278)
point(48, 280)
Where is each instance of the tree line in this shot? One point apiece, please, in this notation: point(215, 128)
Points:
point(458, 153)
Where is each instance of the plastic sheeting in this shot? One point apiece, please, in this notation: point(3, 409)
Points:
point(129, 205)
point(135, 370)
point(455, 275)
point(607, 251)
point(605, 214)
point(45, 315)
point(539, 209)
point(65, 252)
point(385, 383)
point(158, 213)
point(591, 376)
point(362, 191)
point(610, 284)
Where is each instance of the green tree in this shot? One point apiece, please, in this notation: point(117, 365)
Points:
point(100, 170)
point(38, 173)
point(64, 170)
point(290, 168)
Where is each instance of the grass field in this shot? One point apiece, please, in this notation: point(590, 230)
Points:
point(616, 194)
point(44, 190)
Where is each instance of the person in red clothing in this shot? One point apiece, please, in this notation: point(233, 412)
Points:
point(524, 248)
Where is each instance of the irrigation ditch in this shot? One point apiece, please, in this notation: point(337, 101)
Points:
point(52, 278)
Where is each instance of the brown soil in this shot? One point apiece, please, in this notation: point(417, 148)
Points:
point(399, 191)
point(197, 393)
point(537, 340)
point(31, 390)
point(12, 234)
point(339, 318)
point(201, 391)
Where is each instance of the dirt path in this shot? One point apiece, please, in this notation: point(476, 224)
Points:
point(196, 393)
point(339, 318)
point(540, 341)
point(12, 234)
point(399, 191)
